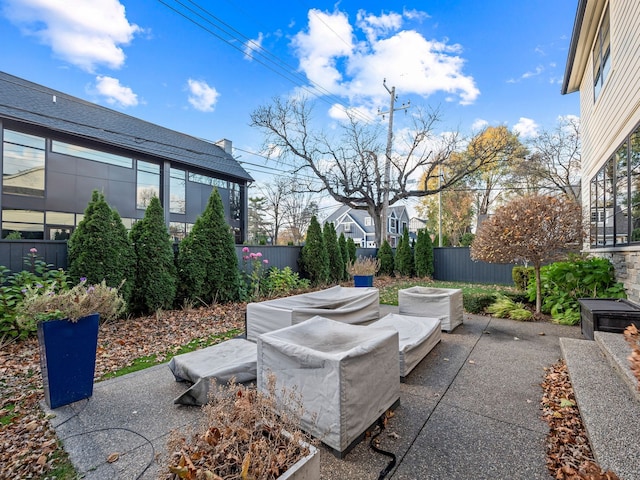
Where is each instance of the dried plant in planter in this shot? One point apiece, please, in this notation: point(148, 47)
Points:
point(632, 336)
point(244, 435)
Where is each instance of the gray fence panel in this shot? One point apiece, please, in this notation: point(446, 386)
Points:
point(278, 255)
point(454, 264)
point(14, 252)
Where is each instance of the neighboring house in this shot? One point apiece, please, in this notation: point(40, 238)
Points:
point(57, 149)
point(604, 66)
point(359, 225)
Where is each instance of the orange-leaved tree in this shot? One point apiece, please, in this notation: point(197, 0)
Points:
point(534, 229)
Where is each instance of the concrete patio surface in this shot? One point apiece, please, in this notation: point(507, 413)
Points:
point(469, 410)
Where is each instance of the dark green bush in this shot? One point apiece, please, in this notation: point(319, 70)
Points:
point(336, 265)
point(155, 270)
point(207, 262)
point(563, 283)
point(314, 258)
point(476, 303)
point(100, 249)
point(404, 256)
point(342, 243)
point(424, 254)
point(351, 249)
point(466, 239)
point(521, 276)
point(280, 282)
point(385, 255)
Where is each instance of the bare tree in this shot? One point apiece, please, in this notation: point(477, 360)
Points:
point(274, 195)
point(535, 229)
point(556, 158)
point(351, 167)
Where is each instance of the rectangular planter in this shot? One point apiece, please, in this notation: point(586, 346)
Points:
point(363, 280)
point(607, 315)
point(68, 359)
point(307, 468)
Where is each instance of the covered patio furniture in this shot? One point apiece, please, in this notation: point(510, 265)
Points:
point(442, 303)
point(417, 337)
point(344, 304)
point(234, 358)
point(347, 375)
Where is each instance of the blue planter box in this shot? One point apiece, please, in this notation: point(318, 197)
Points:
point(68, 359)
point(363, 280)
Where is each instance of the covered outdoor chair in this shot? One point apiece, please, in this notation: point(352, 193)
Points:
point(442, 303)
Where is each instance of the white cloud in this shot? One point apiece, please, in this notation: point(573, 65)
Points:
point(531, 73)
point(526, 127)
point(252, 46)
point(201, 96)
point(115, 93)
point(479, 124)
point(85, 34)
point(332, 56)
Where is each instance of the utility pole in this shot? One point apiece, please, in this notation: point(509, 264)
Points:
point(387, 163)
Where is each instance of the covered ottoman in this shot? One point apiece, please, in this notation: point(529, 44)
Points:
point(347, 375)
point(442, 303)
point(417, 336)
point(234, 358)
point(344, 304)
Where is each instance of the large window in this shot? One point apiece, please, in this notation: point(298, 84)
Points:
point(148, 183)
point(601, 56)
point(90, 154)
point(177, 193)
point(23, 223)
point(615, 196)
point(23, 164)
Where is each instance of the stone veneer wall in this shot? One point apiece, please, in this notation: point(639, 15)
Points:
point(627, 271)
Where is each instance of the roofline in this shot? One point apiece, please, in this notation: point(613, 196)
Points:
point(573, 46)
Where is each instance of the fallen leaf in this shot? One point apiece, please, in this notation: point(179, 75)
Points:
point(113, 457)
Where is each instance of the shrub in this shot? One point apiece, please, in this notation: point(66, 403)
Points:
point(342, 243)
point(336, 265)
point(254, 268)
point(281, 282)
point(404, 256)
point(563, 283)
point(100, 249)
point(505, 307)
point(424, 254)
point(476, 303)
point(521, 276)
point(364, 266)
point(466, 239)
point(385, 255)
point(315, 261)
point(155, 270)
point(351, 249)
point(37, 274)
point(207, 262)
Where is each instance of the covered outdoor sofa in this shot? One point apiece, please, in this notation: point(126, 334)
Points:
point(353, 305)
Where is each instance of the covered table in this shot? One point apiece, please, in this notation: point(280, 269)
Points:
point(347, 375)
point(417, 337)
point(353, 305)
point(234, 358)
point(442, 303)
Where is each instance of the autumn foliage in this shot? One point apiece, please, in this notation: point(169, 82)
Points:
point(533, 229)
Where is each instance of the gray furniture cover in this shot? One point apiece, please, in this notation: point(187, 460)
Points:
point(442, 303)
point(347, 375)
point(234, 358)
point(344, 304)
point(417, 337)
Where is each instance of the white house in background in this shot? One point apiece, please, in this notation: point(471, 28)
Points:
point(603, 64)
point(358, 224)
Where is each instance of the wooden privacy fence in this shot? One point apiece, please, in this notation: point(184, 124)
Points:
point(452, 264)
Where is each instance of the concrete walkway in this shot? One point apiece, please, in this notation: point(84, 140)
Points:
point(470, 410)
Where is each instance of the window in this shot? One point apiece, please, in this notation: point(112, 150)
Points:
point(368, 221)
point(29, 223)
point(23, 165)
point(234, 201)
point(615, 196)
point(90, 154)
point(207, 180)
point(177, 195)
point(601, 56)
point(148, 183)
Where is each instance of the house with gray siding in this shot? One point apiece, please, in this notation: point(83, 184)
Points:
point(57, 149)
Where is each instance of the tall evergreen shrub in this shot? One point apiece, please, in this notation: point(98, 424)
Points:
point(387, 263)
point(155, 270)
point(207, 261)
point(424, 254)
point(314, 254)
point(404, 256)
point(351, 248)
point(336, 264)
point(100, 249)
point(342, 243)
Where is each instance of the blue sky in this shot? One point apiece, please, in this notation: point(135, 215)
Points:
point(497, 62)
